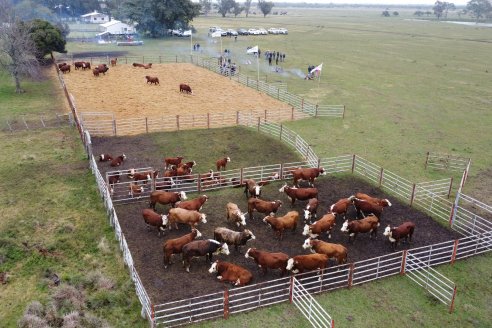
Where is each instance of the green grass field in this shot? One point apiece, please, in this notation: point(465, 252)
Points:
point(409, 87)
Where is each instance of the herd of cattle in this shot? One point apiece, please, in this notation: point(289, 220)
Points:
point(184, 211)
point(103, 68)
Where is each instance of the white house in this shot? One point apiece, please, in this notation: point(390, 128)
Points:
point(95, 17)
point(116, 27)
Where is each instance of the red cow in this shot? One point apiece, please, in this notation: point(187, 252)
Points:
point(325, 224)
point(95, 72)
point(185, 88)
point(175, 246)
point(384, 202)
point(366, 207)
point(114, 61)
point(105, 157)
point(168, 161)
point(307, 174)
point(166, 197)
point(302, 263)
point(221, 163)
point(193, 204)
point(279, 224)
point(118, 160)
point(65, 68)
point(152, 80)
point(310, 210)
point(403, 231)
point(263, 206)
point(267, 260)
point(152, 218)
point(337, 251)
point(341, 206)
point(235, 274)
point(368, 224)
point(294, 193)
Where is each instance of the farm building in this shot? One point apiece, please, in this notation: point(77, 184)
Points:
point(116, 27)
point(95, 18)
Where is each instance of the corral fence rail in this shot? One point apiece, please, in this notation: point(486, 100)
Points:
point(448, 162)
point(36, 121)
point(309, 307)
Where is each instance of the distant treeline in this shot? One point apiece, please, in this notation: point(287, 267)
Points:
point(334, 5)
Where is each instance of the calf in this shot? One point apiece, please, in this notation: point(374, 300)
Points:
point(147, 66)
point(193, 204)
point(233, 237)
point(310, 210)
point(180, 215)
point(294, 193)
point(368, 224)
point(325, 224)
point(135, 189)
point(118, 160)
point(166, 197)
point(114, 61)
point(168, 161)
point(152, 80)
point(114, 178)
point(302, 263)
point(105, 157)
point(267, 260)
point(251, 188)
point(279, 224)
point(235, 274)
point(185, 88)
point(263, 206)
point(175, 246)
point(234, 214)
point(341, 206)
point(86, 65)
point(152, 218)
point(221, 163)
point(306, 174)
point(336, 251)
point(403, 231)
point(205, 248)
point(95, 72)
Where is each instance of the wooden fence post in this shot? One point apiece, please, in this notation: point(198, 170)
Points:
point(152, 315)
point(403, 262)
point(208, 120)
point(114, 127)
point(316, 111)
point(199, 183)
point(426, 160)
point(226, 304)
point(451, 215)
point(412, 197)
point(176, 58)
point(281, 131)
point(450, 186)
point(353, 163)
point(343, 114)
point(291, 289)
point(351, 275)
point(177, 121)
point(146, 125)
point(278, 93)
point(455, 249)
point(381, 177)
point(259, 119)
point(302, 104)
point(292, 114)
point(241, 173)
point(451, 307)
point(281, 173)
point(266, 115)
point(247, 81)
point(237, 117)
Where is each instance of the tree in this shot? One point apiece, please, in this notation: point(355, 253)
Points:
point(418, 13)
point(438, 8)
point(17, 48)
point(29, 10)
point(247, 6)
point(449, 6)
point(386, 13)
point(225, 7)
point(155, 17)
point(206, 6)
point(265, 7)
point(479, 8)
point(395, 13)
point(46, 37)
point(237, 9)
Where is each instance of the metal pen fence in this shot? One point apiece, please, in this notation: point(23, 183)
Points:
point(446, 162)
point(309, 307)
point(36, 121)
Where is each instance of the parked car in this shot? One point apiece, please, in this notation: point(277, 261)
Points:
point(262, 31)
point(273, 30)
point(282, 31)
point(212, 29)
point(253, 31)
point(232, 32)
point(242, 31)
point(186, 33)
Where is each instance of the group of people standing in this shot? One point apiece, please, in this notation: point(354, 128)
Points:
point(274, 55)
point(196, 47)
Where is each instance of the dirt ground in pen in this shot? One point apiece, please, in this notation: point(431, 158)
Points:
point(174, 283)
point(125, 92)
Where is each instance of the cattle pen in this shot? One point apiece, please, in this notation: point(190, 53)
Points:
point(414, 263)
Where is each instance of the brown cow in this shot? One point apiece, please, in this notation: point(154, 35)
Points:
point(135, 189)
point(205, 248)
point(384, 202)
point(221, 163)
point(368, 224)
point(152, 218)
point(366, 207)
point(181, 215)
point(143, 176)
point(325, 224)
point(102, 68)
point(341, 206)
point(78, 64)
point(234, 214)
point(336, 251)
point(307, 174)
point(65, 68)
point(263, 206)
point(193, 204)
point(147, 66)
point(310, 211)
point(86, 65)
point(175, 246)
point(118, 160)
point(185, 88)
point(294, 193)
point(168, 161)
point(251, 188)
point(403, 231)
point(105, 157)
point(235, 274)
point(114, 61)
point(301, 263)
point(231, 237)
point(279, 224)
point(61, 65)
point(137, 65)
point(152, 80)
point(166, 197)
point(95, 72)
point(266, 260)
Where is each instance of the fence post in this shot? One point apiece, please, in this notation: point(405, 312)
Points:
point(412, 197)
point(353, 163)
point(146, 125)
point(265, 115)
point(291, 289)
point(208, 120)
point(152, 314)
point(281, 130)
point(451, 215)
point(351, 275)
point(176, 58)
point(302, 104)
point(247, 81)
point(114, 127)
point(292, 114)
point(451, 307)
point(226, 304)
point(307, 152)
point(241, 176)
point(403, 262)
point(343, 114)
point(199, 183)
point(177, 121)
point(278, 93)
point(259, 118)
point(381, 177)
point(319, 163)
point(450, 186)
point(281, 173)
point(426, 160)
point(316, 111)
point(455, 249)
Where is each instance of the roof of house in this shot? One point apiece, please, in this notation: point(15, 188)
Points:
point(111, 23)
point(94, 13)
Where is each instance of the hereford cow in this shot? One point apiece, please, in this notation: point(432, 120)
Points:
point(235, 274)
point(221, 163)
point(336, 251)
point(78, 64)
point(188, 165)
point(147, 66)
point(166, 197)
point(86, 65)
point(135, 189)
point(152, 218)
point(193, 204)
point(306, 174)
point(152, 80)
point(144, 176)
point(114, 178)
point(61, 65)
point(105, 158)
point(65, 68)
point(234, 214)
point(368, 224)
point(205, 248)
point(231, 237)
point(118, 160)
point(164, 184)
point(279, 224)
point(251, 188)
point(137, 65)
point(294, 193)
point(181, 215)
point(302, 263)
point(102, 68)
point(95, 72)
point(263, 206)
point(310, 211)
point(185, 88)
point(341, 206)
point(266, 260)
point(384, 202)
point(325, 224)
point(114, 61)
point(403, 231)
point(175, 246)
point(168, 161)
point(366, 207)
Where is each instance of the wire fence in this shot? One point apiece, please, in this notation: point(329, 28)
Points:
point(446, 162)
point(36, 122)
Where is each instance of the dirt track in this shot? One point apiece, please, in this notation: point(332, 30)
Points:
point(124, 92)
